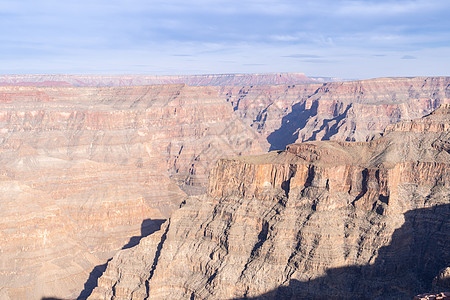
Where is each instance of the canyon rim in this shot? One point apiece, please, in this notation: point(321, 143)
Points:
point(96, 168)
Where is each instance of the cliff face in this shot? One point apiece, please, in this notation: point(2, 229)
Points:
point(289, 107)
point(321, 219)
point(86, 171)
point(83, 170)
point(352, 111)
point(133, 80)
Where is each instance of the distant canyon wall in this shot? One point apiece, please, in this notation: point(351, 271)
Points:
point(86, 171)
point(349, 111)
point(47, 80)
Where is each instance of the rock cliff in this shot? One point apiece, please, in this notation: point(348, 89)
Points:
point(351, 111)
point(290, 107)
point(88, 170)
point(83, 170)
point(328, 220)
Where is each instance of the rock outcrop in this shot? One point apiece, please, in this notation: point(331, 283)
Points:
point(89, 170)
point(345, 111)
point(328, 220)
point(435, 296)
point(83, 170)
point(442, 281)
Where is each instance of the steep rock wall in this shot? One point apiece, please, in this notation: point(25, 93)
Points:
point(87, 171)
point(352, 111)
point(107, 164)
point(371, 221)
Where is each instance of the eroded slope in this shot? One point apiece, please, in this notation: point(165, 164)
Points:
point(88, 170)
point(83, 170)
point(330, 220)
point(351, 111)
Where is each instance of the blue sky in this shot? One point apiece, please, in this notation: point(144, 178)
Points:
point(346, 39)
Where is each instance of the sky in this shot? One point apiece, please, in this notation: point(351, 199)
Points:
point(349, 39)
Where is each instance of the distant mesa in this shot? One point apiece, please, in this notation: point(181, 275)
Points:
point(57, 80)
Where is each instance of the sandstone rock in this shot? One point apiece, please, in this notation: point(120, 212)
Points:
point(133, 80)
point(352, 111)
point(86, 169)
point(288, 107)
point(328, 220)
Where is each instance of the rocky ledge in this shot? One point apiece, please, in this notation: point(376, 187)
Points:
point(321, 220)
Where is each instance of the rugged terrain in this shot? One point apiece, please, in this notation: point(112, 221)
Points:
point(345, 111)
point(331, 220)
point(133, 80)
point(86, 171)
point(83, 170)
point(290, 107)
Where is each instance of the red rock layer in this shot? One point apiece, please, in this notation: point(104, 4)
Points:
point(85, 169)
point(322, 220)
point(100, 161)
point(353, 111)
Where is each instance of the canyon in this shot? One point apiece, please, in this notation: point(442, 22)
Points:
point(343, 111)
point(94, 164)
point(43, 80)
point(86, 169)
point(319, 220)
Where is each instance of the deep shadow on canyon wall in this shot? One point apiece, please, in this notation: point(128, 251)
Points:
point(290, 125)
point(148, 227)
point(404, 268)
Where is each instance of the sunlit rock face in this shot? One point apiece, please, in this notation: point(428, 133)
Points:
point(89, 164)
point(320, 220)
point(83, 170)
point(290, 107)
point(344, 111)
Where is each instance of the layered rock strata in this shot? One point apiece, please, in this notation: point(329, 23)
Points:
point(83, 170)
point(289, 107)
point(133, 80)
point(351, 111)
point(88, 170)
point(320, 220)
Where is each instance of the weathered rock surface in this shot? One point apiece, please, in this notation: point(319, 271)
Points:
point(328, 220)
point(442, 281)
point(132, 80)
point(85, 169)
point(351, 111)
point(289, 107)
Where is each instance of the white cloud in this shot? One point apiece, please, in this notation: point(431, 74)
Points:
point(285, 38)
point(251, 35)
point(369, 8)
